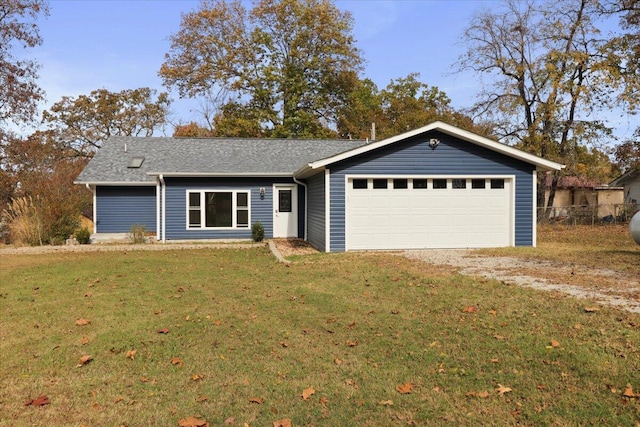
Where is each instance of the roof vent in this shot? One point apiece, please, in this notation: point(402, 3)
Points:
point(136, 162)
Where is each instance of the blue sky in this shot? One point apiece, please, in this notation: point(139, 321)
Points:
point(117, 45)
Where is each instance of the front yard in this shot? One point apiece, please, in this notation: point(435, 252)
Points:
point(232, 337)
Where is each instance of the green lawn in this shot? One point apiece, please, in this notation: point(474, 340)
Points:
point(247, 335)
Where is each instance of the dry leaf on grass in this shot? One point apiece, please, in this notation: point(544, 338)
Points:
point(404, 388)
point(386, 403)
point(84, 341)
point(38, 401)
point(131, 354)
point(502, 390)
point(176, 361)
point(197, 377)
point(470, 309)
point(83, 322)
point(628, 392)
point(163, 331)
point(282, 423)
point(256, 400)
point(307, 393)
point(591, 309)
point(192, 422)
point(555, 343)
point(84, 360)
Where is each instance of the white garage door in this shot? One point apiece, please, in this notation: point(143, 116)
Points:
point(413, 213)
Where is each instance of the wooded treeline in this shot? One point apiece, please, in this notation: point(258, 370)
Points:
point(292, 68)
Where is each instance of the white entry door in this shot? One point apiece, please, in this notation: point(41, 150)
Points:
point(285, 210)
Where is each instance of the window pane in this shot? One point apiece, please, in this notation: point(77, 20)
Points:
point(194, 199)
point(243, 200)
point(478, 183)
point(379, 183)
point(439, 183)
point(194, 218)
point(242, 219)
point(458, 183)
point(218, 209)
point(419, 183)
point(284, 200)
point(360, 183)
point(497, 183)
point(400, 183)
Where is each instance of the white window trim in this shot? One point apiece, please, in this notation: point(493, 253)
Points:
point(234, 209)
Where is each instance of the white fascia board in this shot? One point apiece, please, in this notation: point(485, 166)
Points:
point(117, 183)
point(540, 163)
point(214, 175)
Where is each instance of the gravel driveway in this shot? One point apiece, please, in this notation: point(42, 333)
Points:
point(606, 287)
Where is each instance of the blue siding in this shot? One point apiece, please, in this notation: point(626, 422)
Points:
point(451, 157)
point(176, 206)
point(118, 208)
point(316, 211)
point(301, 212)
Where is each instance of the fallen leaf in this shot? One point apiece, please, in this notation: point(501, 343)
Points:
point(337, 361)
point(555, 343)
point(192, 422)
point(353, 343)
point(282, 423)
point(197, 377)
point(499, 337)
point(493, 312)
point(502, 390)
point(256, 400)
point(38, 401)
point(483, 394)
point(163, 331)
point(118, 399)
point(470, 309)
point(145, 379)
point(131, 354)
point(217, 322)
point(591, 309)
point(84, 341)
point(495, 360)
point(324, 401)
point(386, 402)
point(176, 361)
point(307, 393)
point(84, 360)
point(628, 392)
point(230, 421)
point(404, 388)
point(202, 399)
point(83, 322)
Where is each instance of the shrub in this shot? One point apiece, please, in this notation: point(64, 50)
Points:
point(138, 234)
point(83, 236)
point(257, 231)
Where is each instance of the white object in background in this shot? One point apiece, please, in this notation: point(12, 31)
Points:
point(634, 227)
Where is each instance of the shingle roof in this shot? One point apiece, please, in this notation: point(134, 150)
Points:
point(215, 156)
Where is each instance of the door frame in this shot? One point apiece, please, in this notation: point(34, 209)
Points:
point(292, 222)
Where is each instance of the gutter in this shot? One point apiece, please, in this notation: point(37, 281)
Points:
point(306, 197)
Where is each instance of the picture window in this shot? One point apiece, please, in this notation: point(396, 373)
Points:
point(218, 209)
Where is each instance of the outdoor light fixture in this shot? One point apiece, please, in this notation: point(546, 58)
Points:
point(262, 192)
point(433, 143)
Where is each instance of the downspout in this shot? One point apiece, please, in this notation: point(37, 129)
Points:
point(306, 198)
point(163, 207)
point(95, 213)
point(158, 190)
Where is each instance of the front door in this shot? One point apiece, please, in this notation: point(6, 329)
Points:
point(285, 210)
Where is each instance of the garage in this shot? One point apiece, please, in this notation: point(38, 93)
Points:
point(429, 212)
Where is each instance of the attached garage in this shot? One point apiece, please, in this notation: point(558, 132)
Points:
point(429, 212)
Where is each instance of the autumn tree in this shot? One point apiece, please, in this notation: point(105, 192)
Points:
point(83, 123)
point(546, 77)
point(19, 92)
point(42, 174)
point(284, 67)
point(404, 104)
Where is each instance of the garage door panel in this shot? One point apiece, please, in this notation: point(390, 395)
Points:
point(428, 218)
